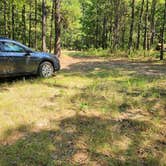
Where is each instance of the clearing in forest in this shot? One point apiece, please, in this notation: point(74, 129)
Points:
point(95, 111)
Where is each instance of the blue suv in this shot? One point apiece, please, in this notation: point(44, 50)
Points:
point(17, 59)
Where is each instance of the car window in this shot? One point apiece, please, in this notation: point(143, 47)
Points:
point(11, 47)
point(1, 46)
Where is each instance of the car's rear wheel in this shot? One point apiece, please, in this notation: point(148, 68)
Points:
point(46, 69)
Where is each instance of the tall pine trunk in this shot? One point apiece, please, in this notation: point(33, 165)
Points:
point(104, 34)
point(51, 28)
point(13, 20)
point(5, 21)
point(57, 48)
point(44, 25)
point(30, 23)
point(162, 34)
point(115, 39)
point(145, 43)
point(96, 27)
point(123, 29)
point(139, 24)
point(35, 24)
point(153, 11)
point(23, 25)
point(131, 25)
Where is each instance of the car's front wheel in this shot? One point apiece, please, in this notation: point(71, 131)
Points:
point(46, 69)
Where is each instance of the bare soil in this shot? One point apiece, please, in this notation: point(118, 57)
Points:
point(148, 68)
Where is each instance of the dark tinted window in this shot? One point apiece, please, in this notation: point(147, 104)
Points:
point(11, 47)
point(1, 46)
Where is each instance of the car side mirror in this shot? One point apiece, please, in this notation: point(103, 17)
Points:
point(28, 53)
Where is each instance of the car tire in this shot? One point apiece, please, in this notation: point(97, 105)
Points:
point(46, 69)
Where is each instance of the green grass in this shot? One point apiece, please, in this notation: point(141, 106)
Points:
point(93, 113)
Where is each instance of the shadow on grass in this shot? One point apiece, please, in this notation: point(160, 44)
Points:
point(6, 83)
point(11, 80)
point(82, 140)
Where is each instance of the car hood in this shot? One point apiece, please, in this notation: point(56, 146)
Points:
point(44, 54)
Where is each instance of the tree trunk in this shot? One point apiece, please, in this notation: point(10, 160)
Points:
point(111, 24)
point(123, 35)
point(116, 24)
point(44, 25)
point(131, 25)
point(23, 25)
point(139, 24)
point(145, 43)
point(8, 20)
point(52, 19)
point(35, 24)
point(123, 26)
point(96, 34)
point(57, 48)
point(97, 27)
point(13, 21)
point(162, 34)
point(5, 21)
point(104, 38)
point(153, 10)
point(30, 26)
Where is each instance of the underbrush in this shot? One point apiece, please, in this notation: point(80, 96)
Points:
point(151, 54)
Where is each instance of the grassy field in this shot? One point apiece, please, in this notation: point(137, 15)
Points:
point(94, 112)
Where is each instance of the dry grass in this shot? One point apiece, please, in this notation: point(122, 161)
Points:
point(94, 112)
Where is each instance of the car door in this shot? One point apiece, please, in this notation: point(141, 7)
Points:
point(6, 62)
point(2, 62)
point(22, 60)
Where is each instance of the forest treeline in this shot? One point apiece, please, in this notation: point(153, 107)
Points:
point(84, 24)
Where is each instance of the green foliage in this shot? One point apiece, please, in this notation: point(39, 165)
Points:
point(85, 24)
point(71, 15)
